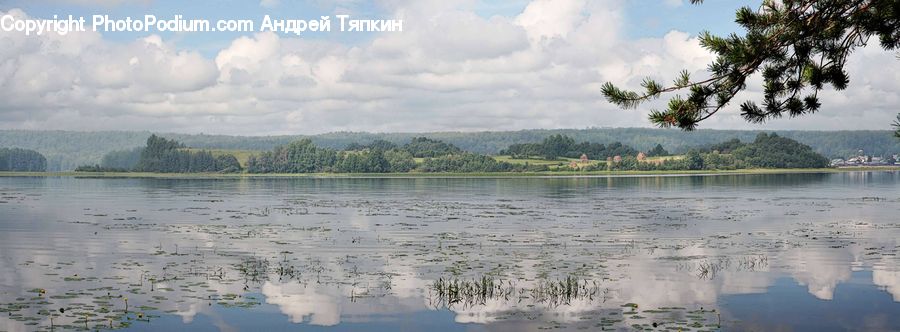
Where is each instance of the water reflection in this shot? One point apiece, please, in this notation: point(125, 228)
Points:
point(305, 303)
point(584, 253)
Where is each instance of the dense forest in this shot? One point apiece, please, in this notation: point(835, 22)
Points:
point(169, 156)
point(304, 156)
point(22, 160)
point(422, 147)
point(418, 147)
point(65, 150)
point(378, 144)
point(766, 151)
point(555, 146)
point(298, 157)
point(773, 151)
point(658, 151)
point(827, 143)
point(162, 155)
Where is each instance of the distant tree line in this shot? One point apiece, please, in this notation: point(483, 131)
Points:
point(658, 151)
point(122, 159)
point(773, 151)
point(64, 150)
point(422, 147)
point(378, 144)
point(100, 168)
point(766, 151)
point(22, 160)
point(305, 157)
point(724, 147)
point(556, 146)
point(418, 147)
point(169, 156)
point(115, 161)
point(162, 155)
point(297, 157)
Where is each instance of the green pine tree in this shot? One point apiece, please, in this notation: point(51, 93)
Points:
point(799, 47)
point(897, 125)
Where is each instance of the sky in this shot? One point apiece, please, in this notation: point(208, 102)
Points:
point(458, 65)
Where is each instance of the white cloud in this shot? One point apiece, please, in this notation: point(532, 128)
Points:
point(450, 69)
point(245, 56)
point(551, 19)
point(819, 277)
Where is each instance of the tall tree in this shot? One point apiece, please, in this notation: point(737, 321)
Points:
point(799, 46)
point(694, 160)
point(657, 151)
point(556, 146)
point(400, 161)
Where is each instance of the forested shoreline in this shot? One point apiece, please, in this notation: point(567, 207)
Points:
point(162, 155)
point(66, 150)
point(425, 155)
point(21, 160)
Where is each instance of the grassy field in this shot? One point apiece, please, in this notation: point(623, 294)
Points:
point(553, 165)
point(678, 157)
point(414, 174)
point(563, 161)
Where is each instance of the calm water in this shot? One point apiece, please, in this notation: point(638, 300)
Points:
point(812, 252)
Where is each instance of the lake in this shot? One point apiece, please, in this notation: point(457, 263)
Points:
point(764, 252)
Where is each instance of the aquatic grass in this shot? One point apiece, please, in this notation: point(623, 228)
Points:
point(752, 263)
point(709, 270)
point(468, 292)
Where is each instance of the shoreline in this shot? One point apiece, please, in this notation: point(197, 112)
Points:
point(554, 174)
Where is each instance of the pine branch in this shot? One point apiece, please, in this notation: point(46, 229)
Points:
point(800, 46)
